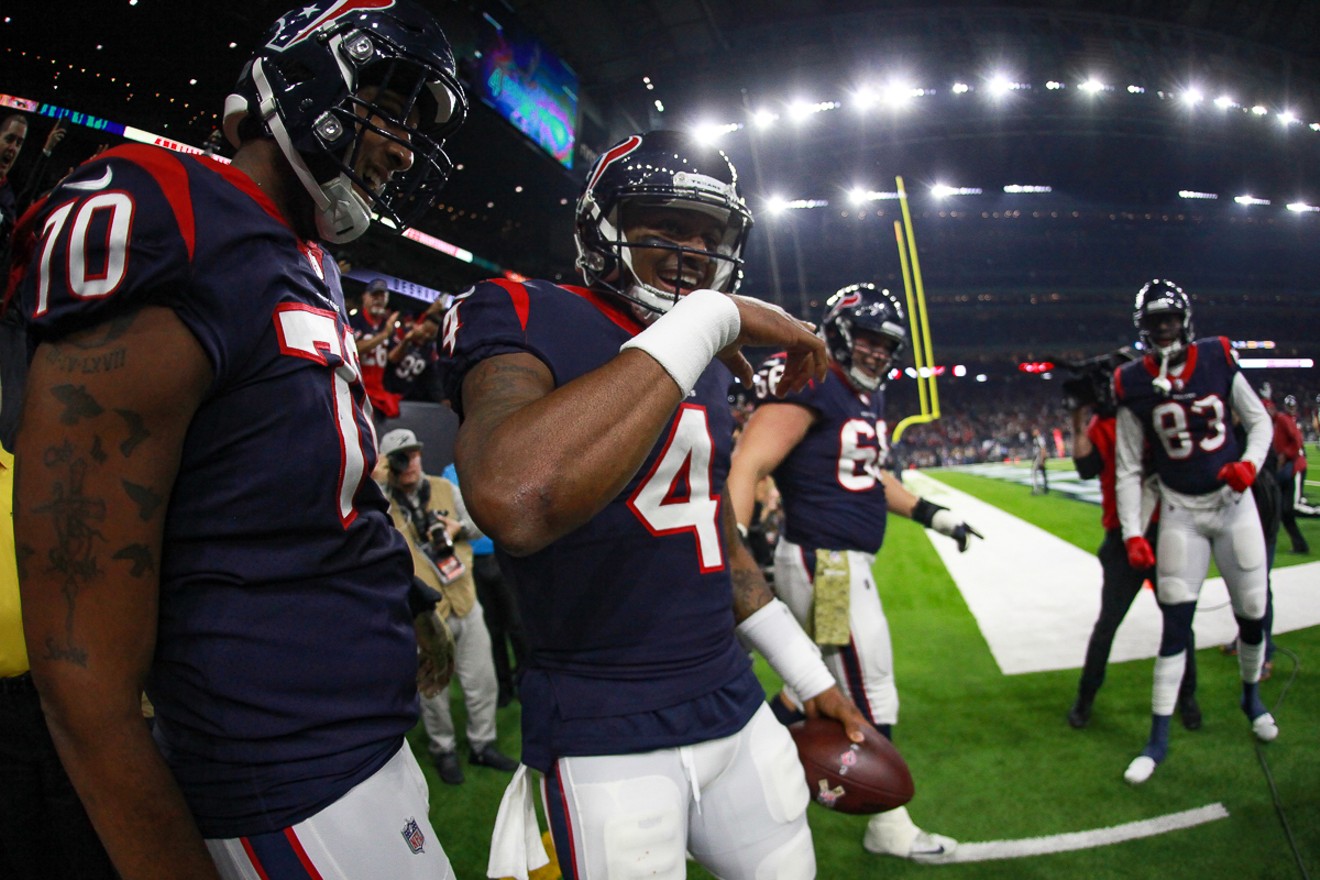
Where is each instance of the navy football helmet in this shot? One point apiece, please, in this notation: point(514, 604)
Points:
point(310, 87)
point(659, 168)
point(1160, 297)
point(862, 307)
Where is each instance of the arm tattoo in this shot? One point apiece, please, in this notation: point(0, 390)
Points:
point(137, 431)
point(140, 556)
point(75, 518)
point(503, 387)
point(78, 404)
point(146, 500)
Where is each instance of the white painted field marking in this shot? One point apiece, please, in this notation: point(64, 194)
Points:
point(1056, 843)
point(1035, 597)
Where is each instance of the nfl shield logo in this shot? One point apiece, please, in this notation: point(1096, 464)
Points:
point(413, 834)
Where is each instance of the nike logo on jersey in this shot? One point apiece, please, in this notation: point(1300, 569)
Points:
point(92, 185)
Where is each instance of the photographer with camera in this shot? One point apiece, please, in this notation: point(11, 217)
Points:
point(1089, 395)
point(429, 511)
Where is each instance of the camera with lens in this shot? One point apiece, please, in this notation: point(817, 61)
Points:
point(1091, 382)
point(398, 461)
point(439, 548)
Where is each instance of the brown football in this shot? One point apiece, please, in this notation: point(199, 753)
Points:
point(848, 777)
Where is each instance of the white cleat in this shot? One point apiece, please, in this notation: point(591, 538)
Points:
point(1140, 769)
point(1265, 728)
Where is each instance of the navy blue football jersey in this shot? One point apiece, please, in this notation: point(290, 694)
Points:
point(629, 618)
point(285, 657)
point(830, 482)
point(1189, 431)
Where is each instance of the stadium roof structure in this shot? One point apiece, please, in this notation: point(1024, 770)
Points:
point(1056, 155)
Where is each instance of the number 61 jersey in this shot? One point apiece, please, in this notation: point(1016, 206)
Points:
point(1189, 430)
point(830, 481)
point(285, 659)
point(630, 616)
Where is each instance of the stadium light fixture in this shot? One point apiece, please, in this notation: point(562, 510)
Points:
point(856, 196)
point(999, 85)
point(1226, 102)
point(776, 205)
point(1260, 110)
point(763, 119)
point(960, 88)
point(1287, 117)
point(1250, 200)
point(1192, 96)
point(1092, 86)
point(1302, 208)
point(1054, 85)
point(864, 99)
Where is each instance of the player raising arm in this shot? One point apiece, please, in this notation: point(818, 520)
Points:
point(593, 450)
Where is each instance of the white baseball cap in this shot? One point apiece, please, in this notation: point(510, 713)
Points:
point(399, 440)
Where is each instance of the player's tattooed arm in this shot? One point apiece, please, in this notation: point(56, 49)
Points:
point(105, 413)
point(537, 460)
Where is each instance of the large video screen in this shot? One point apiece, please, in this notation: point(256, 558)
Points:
point(528, 85)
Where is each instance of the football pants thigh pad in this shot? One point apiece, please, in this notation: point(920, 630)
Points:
point(1182, 558)
point(751, 822)
point(630, 828)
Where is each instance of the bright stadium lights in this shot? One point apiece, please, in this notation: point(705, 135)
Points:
point(1017, 188)
point(1054, 85)
point(959, 370)
point(1136, 90)
point(800, 111)
point(961, 88)
point(1193, 194)
point(1250, 200)
point(1092, 86)
point(710, 132)
point(1276, 363)
point(1226, 102)
point(999, 85)
point(865, 98)
point(941, 191)
point(659, 106)
point(775, 205)
point(982, 377)
point(1192, 96)
point(763, 119)
point(1302, 208)
point(1260, 110)
point(899, 94)
point(1314, 126)
point(1287, 117)
point(856, 196)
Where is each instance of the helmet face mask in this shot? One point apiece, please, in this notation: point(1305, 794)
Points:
point(334, 87)
point(1155, 301)
point(862, 307)
point(629, 182)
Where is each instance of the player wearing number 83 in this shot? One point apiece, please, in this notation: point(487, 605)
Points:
point(593, 449)
point(1178, 402)
point(196, 509)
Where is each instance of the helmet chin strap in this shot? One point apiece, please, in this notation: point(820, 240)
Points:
point(863, 381)
point(341, 214)
point(1167, 353)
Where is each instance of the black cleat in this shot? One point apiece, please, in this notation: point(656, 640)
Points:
point(1080, 714)
point(1190, 713)
point(493, 758)
point(451, 772)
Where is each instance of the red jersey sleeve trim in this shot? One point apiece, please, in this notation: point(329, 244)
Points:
point(166, 168)
point(517, 292)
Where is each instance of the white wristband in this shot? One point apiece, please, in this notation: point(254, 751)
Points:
point(774, 632)
point(684, 339)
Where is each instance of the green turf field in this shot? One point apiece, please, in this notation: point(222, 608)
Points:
point(994, 759)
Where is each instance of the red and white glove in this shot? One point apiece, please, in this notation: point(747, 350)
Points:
point(1140, 554)
point(1238, 474)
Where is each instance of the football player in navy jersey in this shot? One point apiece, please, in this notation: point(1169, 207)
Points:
point(593, 449)
point(825, 444)
point(1178, 402)
point(196, 514)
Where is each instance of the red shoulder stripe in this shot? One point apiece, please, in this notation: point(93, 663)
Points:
point(166, 168)
point(610, 307)
point(1118, 383)
point(517, 292)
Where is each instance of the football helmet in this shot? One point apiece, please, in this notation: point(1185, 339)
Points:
point(862, 307)
point(1159, 297)
point(658, 168)
point(307, 87)
point(1290, 404)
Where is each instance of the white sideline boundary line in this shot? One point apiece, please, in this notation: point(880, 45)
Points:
point(1035, 597)
point(1097, 837)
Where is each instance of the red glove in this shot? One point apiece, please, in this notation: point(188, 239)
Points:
point(1140, 555)
point(1238, 474)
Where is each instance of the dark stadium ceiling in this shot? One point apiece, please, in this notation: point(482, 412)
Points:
point(1021, 274)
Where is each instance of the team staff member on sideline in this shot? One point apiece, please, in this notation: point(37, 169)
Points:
point(1178, 401)
point(824, 444)
point(196, 512)
point(593, 450)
